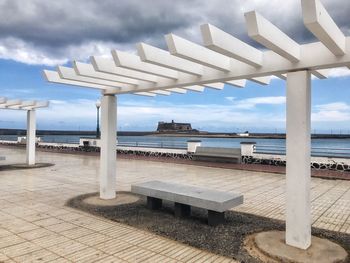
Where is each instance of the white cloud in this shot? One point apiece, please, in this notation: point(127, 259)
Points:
point(136, 115)
point(331, 112)
point(144, 116)
point(54, 32)
point(335, 106)
point(251, 103)
point(18, 50)
point(339, 72)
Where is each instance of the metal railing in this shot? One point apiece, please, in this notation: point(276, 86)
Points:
point(315, 151)
point(172, 145)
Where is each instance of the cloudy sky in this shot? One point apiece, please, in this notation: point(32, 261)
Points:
point(39, 34)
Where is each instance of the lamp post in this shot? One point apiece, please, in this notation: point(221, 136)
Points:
point(98, 133)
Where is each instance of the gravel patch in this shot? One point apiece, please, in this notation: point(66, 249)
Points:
point(226, 239)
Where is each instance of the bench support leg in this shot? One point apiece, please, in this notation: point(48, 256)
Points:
point(215, 218)
point(182, 210)
point(154, 203)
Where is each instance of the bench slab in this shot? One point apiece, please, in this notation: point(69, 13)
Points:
point(213, 200)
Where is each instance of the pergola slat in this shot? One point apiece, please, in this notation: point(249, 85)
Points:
point(10, 103)
point(69, 73)
point(28, 103)
point(281, 76)
point(240, 83)
point(17, 104)
point(163, 58)
point(196, 88)
point(53, 76)
point(193, 52)
point(217, 85)
point(222, 42)
point(178, 90)
point(262, 80)
point(108, 66)
point(267, 34)
point(130, 61)
point(87, 70)
point(161, 92)
point(321, 24)
point(147, 94)
point(321, 73)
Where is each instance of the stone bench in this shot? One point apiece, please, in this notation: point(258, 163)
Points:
point(185, 196)
point(218, 154)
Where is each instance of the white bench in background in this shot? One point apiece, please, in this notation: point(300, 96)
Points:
point(218, 154)
point(185, 196)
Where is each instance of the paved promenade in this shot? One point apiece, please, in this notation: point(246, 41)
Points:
point(36, 226)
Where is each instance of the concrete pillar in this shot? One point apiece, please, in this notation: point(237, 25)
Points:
point(192, 145)
point(31, 134)
point(108, 147)
point(247, 148)
point(298, 171)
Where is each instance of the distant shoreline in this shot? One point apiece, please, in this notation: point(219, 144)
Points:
point(22, 132)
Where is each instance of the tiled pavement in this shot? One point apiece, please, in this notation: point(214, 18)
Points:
point(35, 226)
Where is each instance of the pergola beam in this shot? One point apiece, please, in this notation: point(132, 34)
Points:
point(267, 34)
point(321, 24)
point(222, 42)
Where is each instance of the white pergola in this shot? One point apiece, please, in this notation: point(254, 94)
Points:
point(30, 106)
point(224, 59)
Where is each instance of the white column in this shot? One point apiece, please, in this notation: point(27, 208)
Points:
point(108, 147)
point(298, 171)
point(31, 134)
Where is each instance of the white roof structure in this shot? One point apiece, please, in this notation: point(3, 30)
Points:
point(22, 104)
point(30, 106)
point(224, 59)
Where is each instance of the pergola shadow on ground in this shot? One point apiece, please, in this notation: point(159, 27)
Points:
point(20, 166)
point(30, 106)
point(224, 59)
